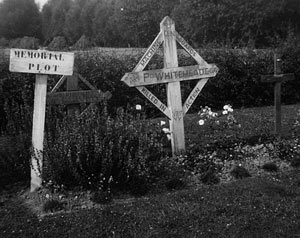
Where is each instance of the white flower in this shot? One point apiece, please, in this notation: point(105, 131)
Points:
point(166, 130)
point(201, 122)
point(230, 109)
point(47, 196)
point(169, 137)
point(138, 107)
point(225, 112)
point(218, 122)
point(162, 123)
point(226, 107)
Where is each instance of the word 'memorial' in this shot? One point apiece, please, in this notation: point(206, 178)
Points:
point(171, 75)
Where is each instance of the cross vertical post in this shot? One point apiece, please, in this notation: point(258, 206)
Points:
point(167, 27)
point(38, 123)
point(72, 85)
point(277, 94)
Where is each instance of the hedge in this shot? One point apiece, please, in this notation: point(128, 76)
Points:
point(237, 83)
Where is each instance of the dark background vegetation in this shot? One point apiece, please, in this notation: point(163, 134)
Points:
point(135, 23)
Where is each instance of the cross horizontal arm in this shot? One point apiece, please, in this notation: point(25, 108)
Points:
point(73, 97)
point(169, 75)
point(277, 78)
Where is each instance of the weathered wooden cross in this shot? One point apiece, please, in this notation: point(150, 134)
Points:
point(277, 78)
point(74, 95)
point(172, 75)
point(42, 63)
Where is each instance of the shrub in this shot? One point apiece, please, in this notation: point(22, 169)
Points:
point(295, 162)
point(239, 172)
point(175, 184)
point(3, 42)
point(95, 149)
point(83, 43)
point(138, 186)
point(58, 43)
point(102, 197)
point(14, 159)
point(210, 178)
point(270, 167)
point(53, 205)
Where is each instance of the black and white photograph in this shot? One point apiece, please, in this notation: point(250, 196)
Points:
point(149, 118)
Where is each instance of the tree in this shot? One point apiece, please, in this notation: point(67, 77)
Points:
point(236, 22)
point(19, 18)
point(54, 15)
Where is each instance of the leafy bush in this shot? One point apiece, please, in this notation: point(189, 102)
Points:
point(295, 162)
point(83, 43)
point(240, 172)
point(3, 42)
point(97, 151)
point(175, 184)
point(14, 159)
point(58, 43)
point(238, 82)
point(270, 167)
point(53, 205)
point(210, 177)
point(101, 197)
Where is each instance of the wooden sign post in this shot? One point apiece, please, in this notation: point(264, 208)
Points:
point(171, 75)
point(277, 78)
point(41, 63)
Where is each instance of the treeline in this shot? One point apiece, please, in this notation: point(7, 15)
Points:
point(135, 23)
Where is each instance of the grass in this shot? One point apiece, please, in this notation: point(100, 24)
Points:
point(254, 207)
point(260, 206)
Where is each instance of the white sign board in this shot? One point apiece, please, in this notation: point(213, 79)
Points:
point(41, 62)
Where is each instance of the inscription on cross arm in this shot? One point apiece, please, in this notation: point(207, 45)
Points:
point(169, 75)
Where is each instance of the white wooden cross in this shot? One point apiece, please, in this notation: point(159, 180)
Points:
point(42, 63)
point(172, 75)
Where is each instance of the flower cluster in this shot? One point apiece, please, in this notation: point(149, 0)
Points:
point(207, 115)
point(227, 109)
point(166, 130)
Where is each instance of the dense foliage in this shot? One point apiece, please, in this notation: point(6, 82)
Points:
point(134, 23)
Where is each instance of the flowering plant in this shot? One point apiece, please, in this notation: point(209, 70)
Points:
point(218, 121)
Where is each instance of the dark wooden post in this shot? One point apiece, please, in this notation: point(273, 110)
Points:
point(72, 85)
point(277, 78)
